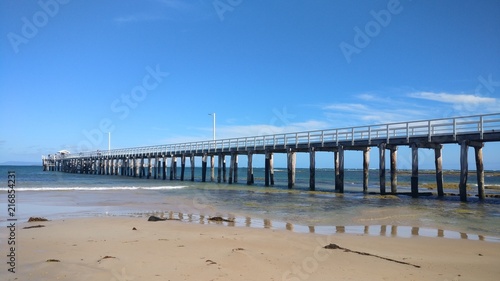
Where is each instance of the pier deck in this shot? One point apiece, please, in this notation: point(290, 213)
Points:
point(467, 131)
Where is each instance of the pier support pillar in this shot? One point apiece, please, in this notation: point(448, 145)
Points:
point(212, 168)
point(231, 168)
point(156, 168)
point(204, 168)
point(183, 166)
point(164, 168)
point(235, 172)
point(111, 166)
point(291, 162)
point(271, 168)
point(464, 169)
point(438, 160)
point(394, 168)
point(250, 169)
point(366, 169)
point(171, 177)
point(414, 170)
point(480, 171)
point(219, 168)
point(137, 167)
point(381, 169)
point(191, 161)
point(142, 172)
point(312, 168)
point(267, 165)
point(173, 168)
point(124, 166)
point(150, 168)
point(224, 178)
point(339, 169)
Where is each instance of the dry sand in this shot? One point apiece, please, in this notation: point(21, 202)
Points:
point(108, 248)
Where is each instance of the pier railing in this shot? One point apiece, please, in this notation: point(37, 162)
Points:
point(456, 126)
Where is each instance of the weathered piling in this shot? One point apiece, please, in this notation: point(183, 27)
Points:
point(478, 149)
point(224, 177)
point(394, 168)
point(250, 179)
point(381, 169)
point(183, 166)
point(291, 162)
point(414, 170)
point(219, 168)
point(366, 168)
point(271, 168)
point(231, 167)
point(204, 168)
point(339, 180)
point(191, 161)
point(212, 168)
point(438, 159)
point(267, 165)
point(464, 170)
point(312, 168)
point(164, 168)
point(235, 179)
point(150, 168)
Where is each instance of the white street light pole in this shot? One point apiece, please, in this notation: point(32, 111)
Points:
point(213, 115)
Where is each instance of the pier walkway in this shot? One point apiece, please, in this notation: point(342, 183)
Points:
point(152, 161)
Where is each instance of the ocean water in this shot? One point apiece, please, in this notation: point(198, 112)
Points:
point(57, 195)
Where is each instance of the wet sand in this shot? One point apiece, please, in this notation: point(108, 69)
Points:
point(123, 248)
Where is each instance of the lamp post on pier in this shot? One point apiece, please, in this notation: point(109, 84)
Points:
point(213, 115)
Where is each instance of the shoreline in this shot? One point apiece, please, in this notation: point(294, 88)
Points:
point(377, 217)
point(132, 248)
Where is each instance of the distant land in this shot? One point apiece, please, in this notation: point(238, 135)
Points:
point(20, 163)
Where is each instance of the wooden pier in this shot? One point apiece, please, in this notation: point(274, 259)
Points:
point(151, 161)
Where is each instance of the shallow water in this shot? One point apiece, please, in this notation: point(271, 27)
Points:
point(59, 195)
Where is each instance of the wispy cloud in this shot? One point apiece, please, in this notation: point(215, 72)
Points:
point(459, 104)
point(453, 98)
point(372, 108)
point(227, 132)
point(346, 107)
point(263, 129)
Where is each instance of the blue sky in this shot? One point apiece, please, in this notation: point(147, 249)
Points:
point(150, 71)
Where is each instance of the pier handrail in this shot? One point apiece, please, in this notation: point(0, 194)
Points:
point(452, 126)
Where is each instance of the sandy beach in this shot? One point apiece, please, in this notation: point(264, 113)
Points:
point(122, 248)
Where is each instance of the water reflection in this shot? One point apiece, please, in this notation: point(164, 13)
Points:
point(372, 230)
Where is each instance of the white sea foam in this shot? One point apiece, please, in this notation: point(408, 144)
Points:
point(96, 188)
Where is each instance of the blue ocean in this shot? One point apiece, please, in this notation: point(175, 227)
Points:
point(57, 195)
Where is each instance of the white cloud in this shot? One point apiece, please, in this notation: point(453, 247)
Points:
point(260, 130)
point(227, 132)
point(453, 98)
point(367, 97)
point(351, 107)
